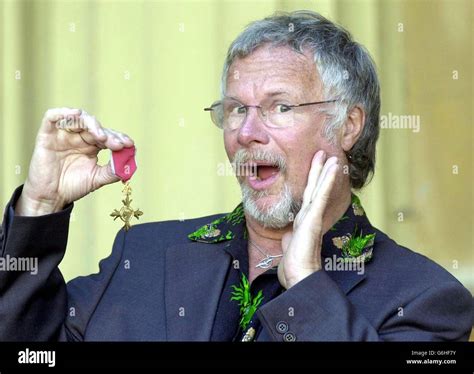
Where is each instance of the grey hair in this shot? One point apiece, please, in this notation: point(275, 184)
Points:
point(345, 67)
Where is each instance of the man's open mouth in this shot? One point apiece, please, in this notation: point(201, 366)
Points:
point(262, 174)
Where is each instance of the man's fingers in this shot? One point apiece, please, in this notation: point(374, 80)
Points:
point(329, 163)
point(320, 200)
point(314, 173)
point(125, 139)
point(285, 241)
point(86, 127)
point(92, 125)
point(103, 137)
point(52, 116)
point(106, 138)
point(317, 174)
point(312, 217)
point(89, 138)
point(113, 141)
point(104, 176)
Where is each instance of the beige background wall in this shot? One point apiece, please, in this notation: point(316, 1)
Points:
point(148, 68)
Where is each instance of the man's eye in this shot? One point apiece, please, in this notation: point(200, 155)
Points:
point(282, 108)
point(239, 110)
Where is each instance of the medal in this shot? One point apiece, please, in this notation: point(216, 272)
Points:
point(124, 165)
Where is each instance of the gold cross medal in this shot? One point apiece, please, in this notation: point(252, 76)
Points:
point(124, 166)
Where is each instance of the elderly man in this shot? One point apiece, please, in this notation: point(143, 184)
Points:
point(297, 260)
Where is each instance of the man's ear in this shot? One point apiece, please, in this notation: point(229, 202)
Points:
point(352, 128)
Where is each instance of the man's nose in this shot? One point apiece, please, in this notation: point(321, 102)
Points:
point(253, 128)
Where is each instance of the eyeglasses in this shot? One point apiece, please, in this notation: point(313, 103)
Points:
point(230, 114)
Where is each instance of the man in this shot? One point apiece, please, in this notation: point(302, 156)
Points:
point(297, 260)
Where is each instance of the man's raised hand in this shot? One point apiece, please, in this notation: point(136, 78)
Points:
point(64, 166)
point(302, 246)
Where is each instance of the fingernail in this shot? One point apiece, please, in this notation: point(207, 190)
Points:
point(320, 154)
point(333, 166)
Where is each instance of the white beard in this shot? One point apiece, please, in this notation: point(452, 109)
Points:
point(277, 216)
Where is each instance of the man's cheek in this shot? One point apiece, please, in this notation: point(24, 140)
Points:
point(229, 145)
point(296, 181)
point(300, 171)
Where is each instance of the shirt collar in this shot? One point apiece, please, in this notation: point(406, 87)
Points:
point(351, 237)
point(227, 227)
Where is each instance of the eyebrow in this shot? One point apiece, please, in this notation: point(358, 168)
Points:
point(271, 94)
point(277, 93)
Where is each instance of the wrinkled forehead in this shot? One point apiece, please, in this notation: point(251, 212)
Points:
point(271, 71)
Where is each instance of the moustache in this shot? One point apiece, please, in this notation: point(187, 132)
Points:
point(245, 162)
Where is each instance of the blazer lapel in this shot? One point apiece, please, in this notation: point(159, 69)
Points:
point(346, 278)
point(195, 276)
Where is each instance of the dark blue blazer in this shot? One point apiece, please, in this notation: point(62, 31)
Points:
point(155, 270)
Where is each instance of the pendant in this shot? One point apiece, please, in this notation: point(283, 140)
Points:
point(267, 262)
point(126, 213)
